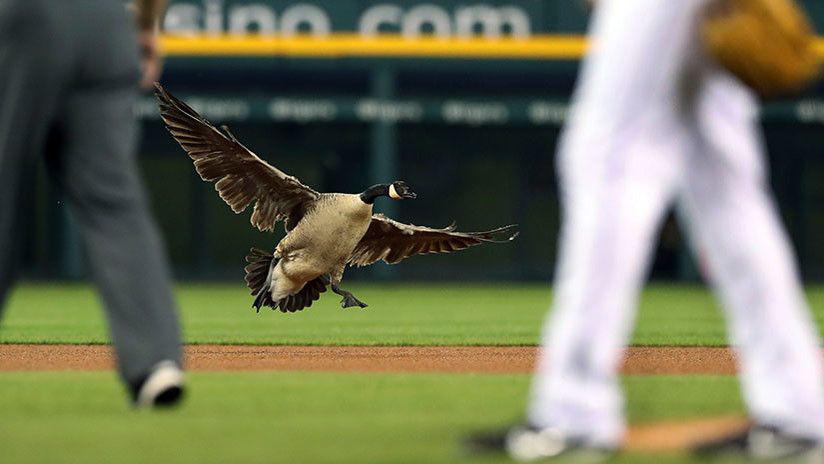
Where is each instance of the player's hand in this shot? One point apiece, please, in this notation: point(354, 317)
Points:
point(151, 60)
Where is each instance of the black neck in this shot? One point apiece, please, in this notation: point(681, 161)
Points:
point(379, 190)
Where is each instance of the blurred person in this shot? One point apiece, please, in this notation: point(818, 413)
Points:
point(70, 74)
point(654, 120)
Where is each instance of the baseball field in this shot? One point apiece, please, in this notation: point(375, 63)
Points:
point(401, 381)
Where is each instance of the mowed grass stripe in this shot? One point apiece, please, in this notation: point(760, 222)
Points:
point(399, 314)
point(266, 417)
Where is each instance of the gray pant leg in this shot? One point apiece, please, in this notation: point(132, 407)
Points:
point(100, 175)
point(124, 248)
point(33, 59)
point(77, 67)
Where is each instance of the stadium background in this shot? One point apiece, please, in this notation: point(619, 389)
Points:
point(472, 123)
point(468, 114)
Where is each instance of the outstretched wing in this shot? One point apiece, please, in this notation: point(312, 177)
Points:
point(393, 241)
point(241, 177)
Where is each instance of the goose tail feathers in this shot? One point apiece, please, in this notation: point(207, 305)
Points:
point(259, 277)
point(259, 280)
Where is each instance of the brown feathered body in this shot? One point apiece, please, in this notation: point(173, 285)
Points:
point(321, 243)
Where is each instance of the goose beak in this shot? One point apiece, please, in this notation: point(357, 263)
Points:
point(400, 191)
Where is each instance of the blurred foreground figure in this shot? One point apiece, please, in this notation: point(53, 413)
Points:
point(70, 72)
point(656, 120)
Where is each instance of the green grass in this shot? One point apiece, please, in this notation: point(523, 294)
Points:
point(274, 417)
point(301, 417)
point(416, 314)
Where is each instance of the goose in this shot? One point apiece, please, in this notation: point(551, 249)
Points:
point(325, 232)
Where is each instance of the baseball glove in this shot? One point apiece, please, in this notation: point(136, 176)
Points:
point(768, 44)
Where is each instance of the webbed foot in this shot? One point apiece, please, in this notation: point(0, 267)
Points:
point(349, 301)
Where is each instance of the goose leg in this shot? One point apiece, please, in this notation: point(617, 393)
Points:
point(349, 299)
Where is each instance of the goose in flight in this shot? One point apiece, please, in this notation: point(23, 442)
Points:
point(325, 232)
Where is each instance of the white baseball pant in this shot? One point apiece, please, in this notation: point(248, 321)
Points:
point(654, 121)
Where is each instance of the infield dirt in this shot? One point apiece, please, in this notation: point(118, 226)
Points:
point(480, 359)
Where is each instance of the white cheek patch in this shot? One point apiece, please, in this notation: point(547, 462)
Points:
point(393, 193)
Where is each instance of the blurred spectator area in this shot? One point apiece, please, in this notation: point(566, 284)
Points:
point(464, 100)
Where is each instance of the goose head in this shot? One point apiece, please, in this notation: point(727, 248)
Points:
point(397, 190)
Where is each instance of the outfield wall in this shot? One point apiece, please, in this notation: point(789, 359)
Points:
point(464, 100)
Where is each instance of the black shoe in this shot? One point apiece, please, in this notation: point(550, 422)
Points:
point(765, 443)
point(530, 443)
point(163, 386)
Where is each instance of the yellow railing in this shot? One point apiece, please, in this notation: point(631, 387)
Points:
point(547, 47)
point(353, 45)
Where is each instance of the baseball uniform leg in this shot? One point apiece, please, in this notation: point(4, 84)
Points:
point(735, 221)
point(98, 170)
point(33, 59)
point(620, 164)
